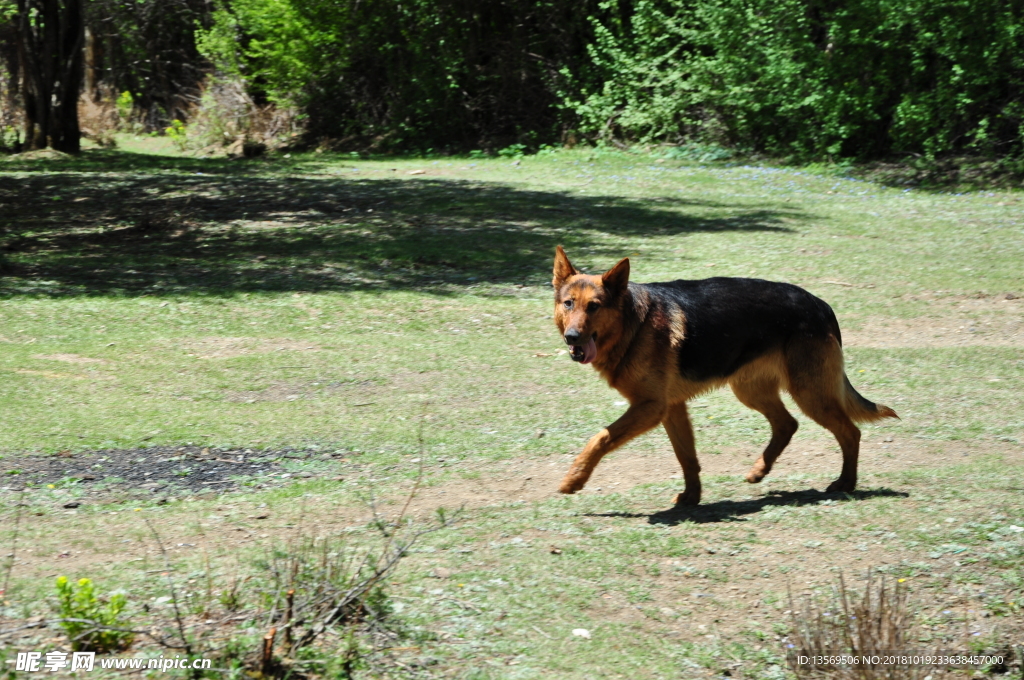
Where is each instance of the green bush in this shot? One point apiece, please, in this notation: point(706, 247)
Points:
point(87, 621)
point(409, 73)
point(802, 78)
point(860, 78)
point(178, 132)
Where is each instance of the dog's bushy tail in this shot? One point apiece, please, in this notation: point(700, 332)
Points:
point(860, 409)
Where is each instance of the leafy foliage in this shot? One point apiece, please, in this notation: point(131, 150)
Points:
point(856, 78)
point(88, 622)
point(146, 48)
point(413, 73)
point(860, 78)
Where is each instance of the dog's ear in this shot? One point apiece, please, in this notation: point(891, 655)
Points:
point(563, 268)
point(617, 278)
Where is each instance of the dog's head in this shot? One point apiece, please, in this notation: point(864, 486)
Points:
point(587, 308)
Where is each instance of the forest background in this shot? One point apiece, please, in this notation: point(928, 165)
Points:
point(793, 79)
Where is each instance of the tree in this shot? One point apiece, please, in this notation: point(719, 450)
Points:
point(146, 48)
point(50, 36)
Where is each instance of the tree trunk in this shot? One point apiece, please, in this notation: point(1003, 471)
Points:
point(93, 65)
point(50, 38)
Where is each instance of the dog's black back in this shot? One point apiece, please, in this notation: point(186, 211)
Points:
point(732, 321)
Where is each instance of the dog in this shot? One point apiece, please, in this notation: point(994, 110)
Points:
point(662, 344)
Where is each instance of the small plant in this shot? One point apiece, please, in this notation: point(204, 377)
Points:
point(856, 626)
point(125, 103)
point(231, 598)
point(178, 134)
point(10, 138)
point(91, 625)
point(513, 151)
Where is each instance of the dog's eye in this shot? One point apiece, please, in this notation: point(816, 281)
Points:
point(568, 304)
point(593, 307)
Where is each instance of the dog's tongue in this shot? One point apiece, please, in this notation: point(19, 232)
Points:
point(590, 351)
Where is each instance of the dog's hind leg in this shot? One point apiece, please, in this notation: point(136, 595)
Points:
point(762, 395)
point(680, 432)
point(816, 382)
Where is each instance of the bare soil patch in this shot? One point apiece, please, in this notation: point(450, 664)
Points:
point(537, 479)
point(360, 392)
point(227, 348)
point(70, 358)
point(968, 323)
point(159, 470)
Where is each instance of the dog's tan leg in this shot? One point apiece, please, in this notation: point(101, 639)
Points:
point(639, 418)
point(816, 383)
point(680, 432)
point(762, 395)
point(830, 415)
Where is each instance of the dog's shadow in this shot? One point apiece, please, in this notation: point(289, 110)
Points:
point(735, 511)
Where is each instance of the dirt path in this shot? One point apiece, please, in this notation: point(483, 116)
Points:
point(969, 322)
point(235, 522)
point(532, 480)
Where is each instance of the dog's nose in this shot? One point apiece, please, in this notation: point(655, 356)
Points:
point(572, 336)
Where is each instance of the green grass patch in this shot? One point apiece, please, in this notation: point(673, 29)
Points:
point(349, 307)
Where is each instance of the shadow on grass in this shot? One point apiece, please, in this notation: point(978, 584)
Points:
point(734, 511)
point(136, 224)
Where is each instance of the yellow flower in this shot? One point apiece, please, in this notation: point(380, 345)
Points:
point(51, 486)
point(901, 580)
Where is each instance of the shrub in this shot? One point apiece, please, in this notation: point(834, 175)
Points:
point(873, 623)
point(177, 132)
point(409, 74)
point(857, 79)
point(90, 624)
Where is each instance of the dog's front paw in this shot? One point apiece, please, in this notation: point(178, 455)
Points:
point(571, 484)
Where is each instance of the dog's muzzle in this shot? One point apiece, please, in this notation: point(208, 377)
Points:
point(582, 350)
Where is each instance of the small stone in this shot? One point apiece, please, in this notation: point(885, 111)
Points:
point(72, 504)
point(441, 572)
point(581, 632)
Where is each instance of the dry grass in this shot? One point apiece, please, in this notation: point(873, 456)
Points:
point(227, 116)
point(872, 623)
point(99, 119)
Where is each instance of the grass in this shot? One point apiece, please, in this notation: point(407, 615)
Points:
point(332, 305)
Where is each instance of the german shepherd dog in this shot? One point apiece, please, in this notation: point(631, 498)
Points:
point(661, 344)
